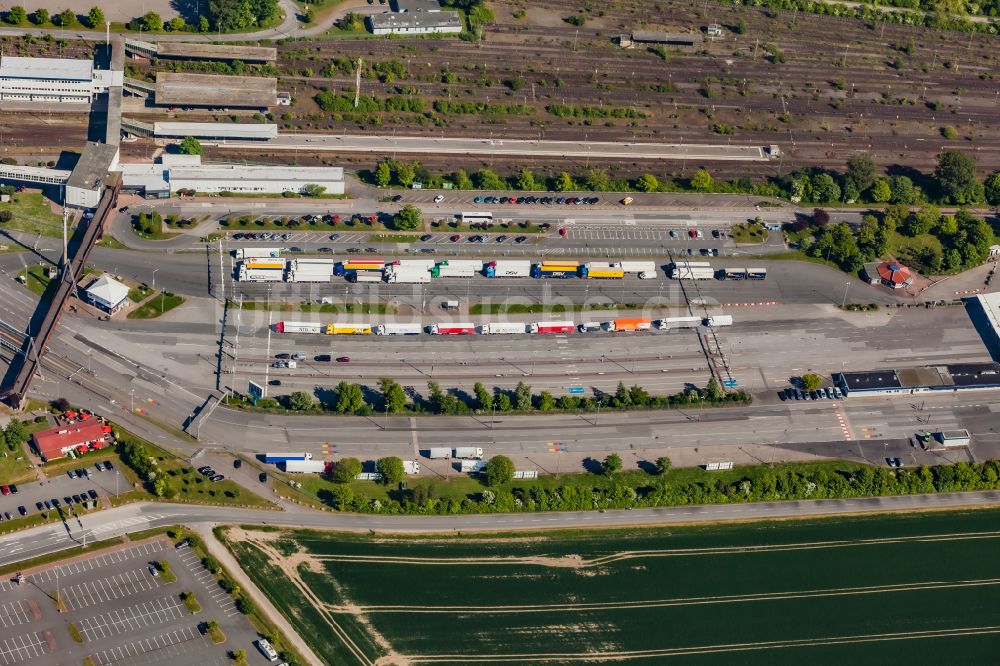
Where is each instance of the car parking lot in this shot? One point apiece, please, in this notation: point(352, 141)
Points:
point(120, 611)
point(64, 490)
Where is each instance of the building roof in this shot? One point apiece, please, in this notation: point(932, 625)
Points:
point(869, 381)
point(179, 159)
point(990, 303)
point(108, 290)
point(52, 442)
point(217, 130)
point(191, 51)
point(96, 160)
point(416, 5)
point(426, 20)
point(974, 374)
point(256, 172)
point(64, 69)
point(183, 89)
point(665, 37)
point(943, 377)
point(894, 273)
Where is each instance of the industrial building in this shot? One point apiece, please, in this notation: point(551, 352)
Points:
point(989, 324)
point(926, 379)
point(182, 89)
point(86, 181)
point(415, 6)
point(415, 23)
point(53, 80)
point(186, 172)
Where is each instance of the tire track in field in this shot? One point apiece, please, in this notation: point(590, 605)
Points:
point(578, 562)
point(625, 655)
point(661, 603)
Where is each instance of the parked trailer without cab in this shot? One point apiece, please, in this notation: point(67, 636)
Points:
point(719, 320)
point(503, 328)
point(397, 329)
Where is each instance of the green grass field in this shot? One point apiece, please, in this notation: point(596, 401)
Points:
point(32, 215)
point(157, 305)
point(885, 589)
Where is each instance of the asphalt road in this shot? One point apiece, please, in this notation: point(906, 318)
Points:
point(133, 517)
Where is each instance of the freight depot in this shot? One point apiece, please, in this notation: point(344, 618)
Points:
point(623, 325)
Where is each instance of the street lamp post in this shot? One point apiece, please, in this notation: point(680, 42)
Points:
point(843, 302)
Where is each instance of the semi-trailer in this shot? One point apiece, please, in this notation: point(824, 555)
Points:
point(473, 466)
point(285, 457)
point(719, 320)
point(508, 268)
point(638, 266)
point(552, 327)
point(628, 325)
point(257, 252)
point(692, 270)
point(310, 270)
point(446, 270)
point(364, 276)
point(415, 275)
point(348, 329)
point(305, 466)
point(452, 329)
point(468, 452)
point(439, 453)
point(299, 327)
point(397, 329)
point(411, 467)
point(602, 270)
point(359, 264)
point(555, 269)
point(735, 273)
point(678, 322)
point(502, 328)
point(757, 273)
point(261, 272)
point(425, 264)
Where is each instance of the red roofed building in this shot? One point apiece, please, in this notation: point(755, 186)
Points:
point(57, 442)
point(890, 273)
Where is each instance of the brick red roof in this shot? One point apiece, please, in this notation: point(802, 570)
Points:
point(894, 273)
point(53, 443)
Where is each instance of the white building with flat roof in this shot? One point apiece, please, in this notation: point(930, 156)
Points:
point(107, 294)
point(53, 80)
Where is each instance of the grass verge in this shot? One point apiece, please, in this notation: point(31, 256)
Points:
point(191, 602)
point(74, 632)
point(31, 214)
point(15, 466)
point(157, 305)
point(750, 234)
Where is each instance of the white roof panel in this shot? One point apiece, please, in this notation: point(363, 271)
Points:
point(108, 290)
point(217, 130)
point(256, 172)
point(46, 68)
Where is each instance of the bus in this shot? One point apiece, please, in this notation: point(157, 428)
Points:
point(470, 218)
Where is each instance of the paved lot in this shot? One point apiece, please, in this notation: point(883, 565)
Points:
point(61, 486)
point(122, 612)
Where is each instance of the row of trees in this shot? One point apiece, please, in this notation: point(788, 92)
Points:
point(642, 490)
point(224, 15)
point(391, 397)
point(18, 15)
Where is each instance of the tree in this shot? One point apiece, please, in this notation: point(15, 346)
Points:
point(825, 188)
point(239, 655)
point(622, 399)
point(922, 221)
point(956, 178)
point(861, 171)
point(383, 174)
point(15, 432)
point(501, 402)
point(526, 180)
point(564, 183)
point(546, 403)
point(902, 190)
point(60, 405)
point(811, 381)
point(647, 183)
point(41, 16)
point(350, 398)
point(522, 397)
point(487, 179)
point(483, 398)
point(881, 191)
point(16, 15)
point(462, 180)
point(499, 470)
point(176, 24)
point(345, 469)
point(391, 469)
point(701, 181)
point(190, 146)
point(741, 27)
point(992, 189)
point(313, 190)
point(820, 217)
point(408, 218)
point(597, 180)
point(95, 17)
point(300, 401)
point(203, 24)
point(152, 21)
point(392, 394)
point(662, 465)
point(611, 464)
point(67, 18)
point(406, 173)
point(713, 391)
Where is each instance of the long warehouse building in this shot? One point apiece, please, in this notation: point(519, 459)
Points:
point(177, 89)
point(223, 131)
point(53, 80)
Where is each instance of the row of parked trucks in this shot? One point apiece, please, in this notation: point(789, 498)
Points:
point(625, 324)
point(471, 458)
point(272, 268)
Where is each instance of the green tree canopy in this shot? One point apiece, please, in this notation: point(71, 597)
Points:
point(408, 218)
point(350, 398)
point(662, 465)
point(393, 395)
point(526, 180)
point(301, 401)
point(483, 398)
point(564, 183)
point(383, 174)
point(499, 470)
point(522, 397)
point(993, 189)
point(487, 179)
point(956, 178)
point(16, 15)
point(861, 170)
point(190, 146)
point(647, 183)
point(152, 21)
point(41, 16)
point(701, 181)
point(391, 469)
point(67, 18)
point(811, 381)
point(612, 463)
point(345, 469)
point(95, 17)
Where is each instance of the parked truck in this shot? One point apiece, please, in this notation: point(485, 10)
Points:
point(473, 466)
point(338, 328)
point(638, 266)
point(397, 329)
point(455, 269)
point(719, 320)
point(452, 329)
point(670, 323)
point(305, 466)
point(502, 328)
point(602, 270)
point(552, 327)
point(411, 467)
point(468, 453)
point(310, 270)
point(394, 275)
point(262, 270)
point(555, 269)
point(508, 268)
point(359, 264)
point(285, 457)
point(692, 270)
point(629, 325)
point(439, 453)
point(299, 327)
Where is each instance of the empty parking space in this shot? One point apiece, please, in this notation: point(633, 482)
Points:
point(130, 619)
point(118, 586)
point(90, 564)
point(18, 649)
point(169, 645)
point(219, 597)
point(14, 613)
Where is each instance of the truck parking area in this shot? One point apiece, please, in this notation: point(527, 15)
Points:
point(109, 606)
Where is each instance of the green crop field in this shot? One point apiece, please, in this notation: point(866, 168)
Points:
point(885, 589)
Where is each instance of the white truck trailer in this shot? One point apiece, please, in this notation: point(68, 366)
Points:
point(719, 320)
point(397, 329)
point(468, 453)
point(503, 328)
point(439, 453)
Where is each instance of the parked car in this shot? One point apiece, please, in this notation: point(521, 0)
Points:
point(21, 510)
point(520, 239)
point(237, 463)
point(439, 198)
point(154, 571)
point(455, 238)
point(425, 238)
point(5, 490)
point(343, 359)
point(216, 477)
point(13, 489)
point(262, 477)
point(92, 493)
